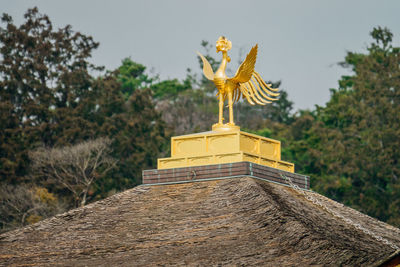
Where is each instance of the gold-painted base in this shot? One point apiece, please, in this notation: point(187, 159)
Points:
point(224, 145)
point(218, 127)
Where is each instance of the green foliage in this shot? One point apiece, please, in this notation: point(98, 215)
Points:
point(369, 114)
point(350, 147)
point(131, 76)
point(280, 111)
point(188, 106)
point(170, 89)
point(48, 97)
point(139, 137)
point(45, 89)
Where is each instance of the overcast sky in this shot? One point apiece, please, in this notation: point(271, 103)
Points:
point(300, 42)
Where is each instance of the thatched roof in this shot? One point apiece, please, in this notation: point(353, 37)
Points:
point(224, 222)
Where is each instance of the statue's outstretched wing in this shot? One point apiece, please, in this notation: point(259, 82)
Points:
point(250, 85)
point(245, 70)
point(207, 70)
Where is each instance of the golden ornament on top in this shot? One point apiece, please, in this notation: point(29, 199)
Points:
point(246, 83)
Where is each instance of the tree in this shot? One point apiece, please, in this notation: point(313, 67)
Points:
point(46, 90)
point(138, 132)
point(24, 204)
point(74, 167)
point(191, 111)
point(139, 135)
point(350, 146)
point(169, 89)
point(132, 76)
point(258, 117)
point(48, 97)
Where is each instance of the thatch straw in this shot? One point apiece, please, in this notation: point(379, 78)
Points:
point(228, 222)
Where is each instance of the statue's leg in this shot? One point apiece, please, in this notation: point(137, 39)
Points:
point(230, 108)
point(221, 108)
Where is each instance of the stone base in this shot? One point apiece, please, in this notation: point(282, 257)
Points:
point(222, 171)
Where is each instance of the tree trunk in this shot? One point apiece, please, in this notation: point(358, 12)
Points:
point(83, 202)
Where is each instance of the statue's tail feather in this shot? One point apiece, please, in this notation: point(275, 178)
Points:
point(262, 89)
point(249, 93)
point(236, 95)
point(268, 86)
point(257, 91)
point(243, 89)
point(239, 94)
point(252, 92)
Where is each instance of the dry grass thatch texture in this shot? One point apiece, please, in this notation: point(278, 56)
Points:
point(229, 222)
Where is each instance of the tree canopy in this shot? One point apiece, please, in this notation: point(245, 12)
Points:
point(350, 146)
point(49, 97)
point(360, 129)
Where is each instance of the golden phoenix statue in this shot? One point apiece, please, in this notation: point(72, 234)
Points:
point(246, 83)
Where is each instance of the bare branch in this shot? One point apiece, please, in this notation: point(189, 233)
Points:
point(74, 167)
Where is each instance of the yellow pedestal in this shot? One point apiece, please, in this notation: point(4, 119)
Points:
point(217, 147)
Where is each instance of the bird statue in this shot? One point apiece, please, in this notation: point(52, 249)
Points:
point(246, 83)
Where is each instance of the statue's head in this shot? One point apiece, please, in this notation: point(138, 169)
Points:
point(223, 44)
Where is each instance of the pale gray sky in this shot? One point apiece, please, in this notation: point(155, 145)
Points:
point(300, 42)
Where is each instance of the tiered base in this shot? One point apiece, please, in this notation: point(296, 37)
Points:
point(220, 147)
